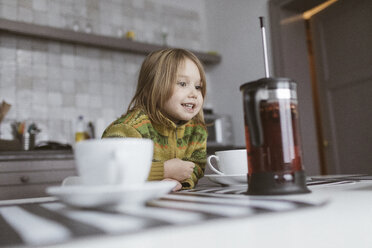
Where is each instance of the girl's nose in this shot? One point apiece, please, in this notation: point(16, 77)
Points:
point(193, 92)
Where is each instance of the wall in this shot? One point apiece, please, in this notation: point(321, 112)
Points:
point(52, 83)
point(234, 31)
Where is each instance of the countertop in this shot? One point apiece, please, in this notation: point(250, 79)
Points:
point(68, 154)
point(36, 155)
point(338, 214)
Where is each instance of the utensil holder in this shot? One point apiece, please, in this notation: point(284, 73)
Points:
point(28, 141)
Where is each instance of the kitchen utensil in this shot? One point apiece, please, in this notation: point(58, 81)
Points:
point(4, 108)
point(272, 135)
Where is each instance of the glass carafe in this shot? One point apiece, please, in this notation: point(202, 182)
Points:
point(272, 137)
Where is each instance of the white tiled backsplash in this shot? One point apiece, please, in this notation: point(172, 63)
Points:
point(51, 83)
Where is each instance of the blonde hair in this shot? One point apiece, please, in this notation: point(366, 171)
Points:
point(156, 80)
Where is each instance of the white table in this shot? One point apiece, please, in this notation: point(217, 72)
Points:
point(344, 221)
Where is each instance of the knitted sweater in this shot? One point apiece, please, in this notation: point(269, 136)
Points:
point(186, 142)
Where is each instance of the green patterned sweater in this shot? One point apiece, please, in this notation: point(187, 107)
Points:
point(187, 142)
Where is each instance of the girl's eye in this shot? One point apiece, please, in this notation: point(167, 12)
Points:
point(198, 87)
point(182, 84)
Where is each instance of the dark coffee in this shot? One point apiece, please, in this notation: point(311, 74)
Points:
point(280, 150)
point(272, 137)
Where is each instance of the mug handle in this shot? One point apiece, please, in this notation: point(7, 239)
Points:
point(115, 173)
point(211, 166)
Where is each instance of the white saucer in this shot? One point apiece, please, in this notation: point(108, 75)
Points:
point(228, 179)
point(109, 195)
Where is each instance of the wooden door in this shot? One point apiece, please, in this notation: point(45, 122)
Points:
point(342, 42)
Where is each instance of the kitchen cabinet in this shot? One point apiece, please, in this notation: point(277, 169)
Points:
point(88, 39)
point(26, 174)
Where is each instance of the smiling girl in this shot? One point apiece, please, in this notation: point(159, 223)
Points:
point(168, 109)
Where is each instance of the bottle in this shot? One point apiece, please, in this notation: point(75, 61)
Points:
point(81, 131)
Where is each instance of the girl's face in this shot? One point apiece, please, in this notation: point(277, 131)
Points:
point(187, 99)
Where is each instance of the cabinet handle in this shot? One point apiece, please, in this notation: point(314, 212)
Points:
point(25, 179)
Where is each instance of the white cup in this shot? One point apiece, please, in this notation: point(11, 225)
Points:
point(229, 162)
point(114, 161)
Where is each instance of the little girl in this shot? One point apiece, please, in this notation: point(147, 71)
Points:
point(168, 109)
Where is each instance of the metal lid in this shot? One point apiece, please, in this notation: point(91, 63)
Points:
point(269, 83)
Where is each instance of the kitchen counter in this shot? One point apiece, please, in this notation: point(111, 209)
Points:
point(336, 214)
point(68, 154)
point(36, 155)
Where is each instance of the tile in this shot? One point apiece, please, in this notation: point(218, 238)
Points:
point(8, 53)
point(53, 60)
point(94, 75)
point(39, 71)
point(8, 69)
point(54, 72)
point(68, 100)
point(54, 84)
point(108, 102)
point(54, 47)
point(23, 82)
point(25, 14)
point(9, 94)
point(55, 115)
point(25, 4)
point(95, 88)
point(7, 80)
point(23, 112)
point(54, 99)
point(82, 100)
point(41, 18)
point(108, 89)
point(24, 57)
point(67, 60)
point(81, 87)
point(68, 86)
point(54, 18)
point(10, 3)
point(39, 57)
point(39, 111)
point(9, 11)
point(81, 75)
point(40, 98)
point(41, 5)
point(95, 101)
point(67, 73)
point(39, 85)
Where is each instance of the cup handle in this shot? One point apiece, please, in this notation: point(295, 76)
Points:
point(115, 174)
point(211, 166)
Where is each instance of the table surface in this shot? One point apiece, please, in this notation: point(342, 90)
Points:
point(337, 213)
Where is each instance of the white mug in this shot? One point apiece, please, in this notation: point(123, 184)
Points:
point(114, 161)
point(229, 162)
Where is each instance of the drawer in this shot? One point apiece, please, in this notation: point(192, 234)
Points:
point(22, 191)
point(30, 184)
point(34, 177)
point(42, 165)
point(25, 179)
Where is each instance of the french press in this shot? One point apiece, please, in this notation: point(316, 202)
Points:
point(272, 135)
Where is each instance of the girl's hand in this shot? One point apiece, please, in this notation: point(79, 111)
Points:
point(177, 187)
point(178, 169)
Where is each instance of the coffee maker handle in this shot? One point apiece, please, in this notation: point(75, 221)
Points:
point(252, 116)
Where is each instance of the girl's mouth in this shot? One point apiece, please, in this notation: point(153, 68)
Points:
point(188, 106)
